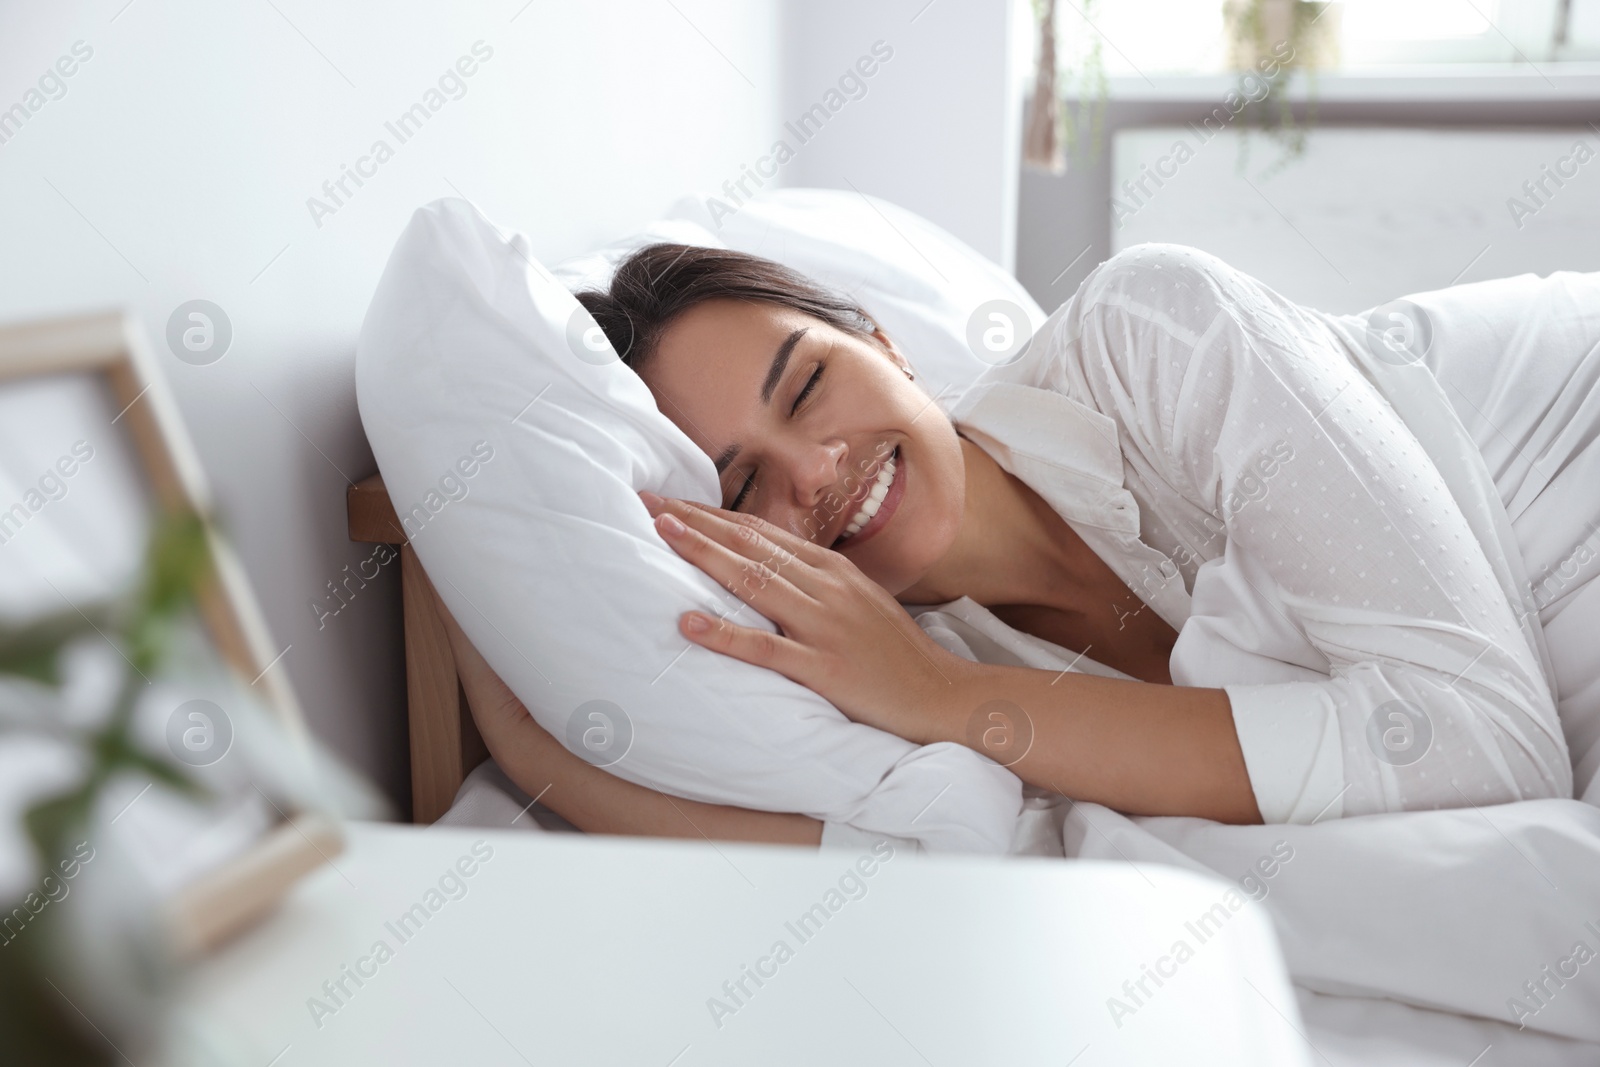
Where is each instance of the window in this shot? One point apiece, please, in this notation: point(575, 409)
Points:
point(1151, 37)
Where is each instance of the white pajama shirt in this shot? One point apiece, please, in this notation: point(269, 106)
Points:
point(1242, 463)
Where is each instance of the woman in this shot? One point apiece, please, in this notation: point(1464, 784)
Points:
point(1201, 489)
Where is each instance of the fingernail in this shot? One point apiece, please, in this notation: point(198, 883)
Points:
point(697, 622)
point(671, 525)
point(649, 498)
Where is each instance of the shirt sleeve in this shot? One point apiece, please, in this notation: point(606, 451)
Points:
point(1433, 697)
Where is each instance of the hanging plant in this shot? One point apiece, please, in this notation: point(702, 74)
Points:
point(1089, 96)
point(1269, 41)
point(1061, 123)
point(1041, 145)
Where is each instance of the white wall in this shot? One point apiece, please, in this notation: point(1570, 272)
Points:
point(178, 165)
point(938, 130)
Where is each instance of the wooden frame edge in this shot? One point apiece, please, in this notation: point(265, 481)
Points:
point(113, 343)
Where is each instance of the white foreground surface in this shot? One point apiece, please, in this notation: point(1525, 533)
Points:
point(576, 949)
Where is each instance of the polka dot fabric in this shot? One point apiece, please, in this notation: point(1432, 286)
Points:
point(1286, 489)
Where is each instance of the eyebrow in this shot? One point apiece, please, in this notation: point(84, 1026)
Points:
point(780, 363)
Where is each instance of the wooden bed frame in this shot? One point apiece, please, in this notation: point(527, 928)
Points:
point(445, 743)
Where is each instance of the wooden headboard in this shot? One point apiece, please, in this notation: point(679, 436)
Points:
point(445, 744)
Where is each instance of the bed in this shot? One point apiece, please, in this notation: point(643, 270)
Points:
point(1458, 936)
point(1412, 938)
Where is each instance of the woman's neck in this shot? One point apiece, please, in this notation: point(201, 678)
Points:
point(1011, 547)
point(1015, 556)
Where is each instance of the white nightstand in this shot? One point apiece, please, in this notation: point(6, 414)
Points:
point(566, 949)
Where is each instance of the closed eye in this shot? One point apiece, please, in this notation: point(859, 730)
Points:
point(811, 384)
point(743, 492)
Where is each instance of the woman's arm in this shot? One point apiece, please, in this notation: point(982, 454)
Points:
point(1434, 696)
point(590, 798)
point(1135, 746)
point(1138, 747)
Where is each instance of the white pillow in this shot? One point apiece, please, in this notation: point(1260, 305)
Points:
point(933, 295)
point(513, 443)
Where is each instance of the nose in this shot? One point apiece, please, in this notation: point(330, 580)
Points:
point(818, 470)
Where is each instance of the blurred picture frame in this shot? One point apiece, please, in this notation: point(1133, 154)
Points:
point(94, 377)
point(109, 349)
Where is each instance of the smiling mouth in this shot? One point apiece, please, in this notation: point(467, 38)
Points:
point(876, 507)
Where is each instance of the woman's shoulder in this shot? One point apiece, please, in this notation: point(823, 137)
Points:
point(1162, 276)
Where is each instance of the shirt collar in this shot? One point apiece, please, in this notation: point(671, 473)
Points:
point(1068, 453)
point(1065, 450)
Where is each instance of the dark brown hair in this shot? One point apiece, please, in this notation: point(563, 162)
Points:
point(658, 282)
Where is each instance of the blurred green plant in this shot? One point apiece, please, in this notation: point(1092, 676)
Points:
point(38, 1023)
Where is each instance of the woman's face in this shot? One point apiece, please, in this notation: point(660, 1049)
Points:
point(802, 420)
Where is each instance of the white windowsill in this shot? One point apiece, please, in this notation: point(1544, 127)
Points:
point(1568, 81)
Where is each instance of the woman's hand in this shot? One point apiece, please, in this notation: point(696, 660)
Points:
point(841, 635)
point(1134, 746)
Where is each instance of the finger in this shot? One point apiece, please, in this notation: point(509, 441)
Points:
point(806, 565)
point(747, 537)
point(763, 648)
point(763, 585)
point(803, 547)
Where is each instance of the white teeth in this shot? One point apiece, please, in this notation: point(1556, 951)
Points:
point(874, 501)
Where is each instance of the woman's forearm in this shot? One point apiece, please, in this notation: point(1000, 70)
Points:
point(597, 801)
point(592, 799)
point(1138, 747)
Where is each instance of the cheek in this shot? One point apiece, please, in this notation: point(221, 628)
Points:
point(930, 514)
point(937, 493)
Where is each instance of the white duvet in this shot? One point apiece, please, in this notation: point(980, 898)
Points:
point(1409, 936)
point(1420, 937)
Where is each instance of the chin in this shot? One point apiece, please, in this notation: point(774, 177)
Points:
point(906, 569)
